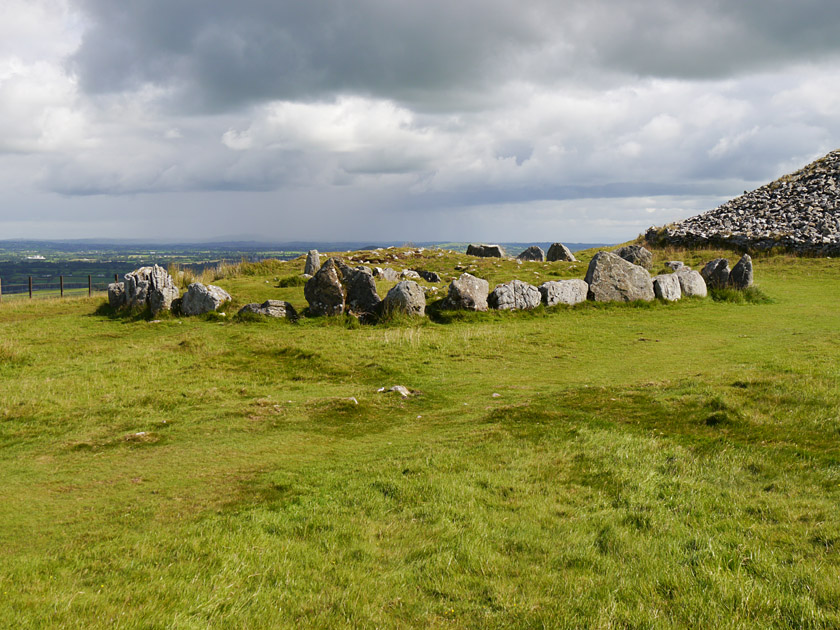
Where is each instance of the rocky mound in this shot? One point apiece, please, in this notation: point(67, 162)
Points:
point(799, 212)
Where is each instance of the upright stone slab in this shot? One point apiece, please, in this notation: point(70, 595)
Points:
point(467, 293)
point(313, 262)
point(151, 286)
point(361, 297)
point(200, 299)
point(405, 297)
point(613, 279)
point(716, 273)
point(483, 250)
point(636, 254)
point(667, 287)
point(564, 292)
point(558, 251)
point(741, 276)
point(691, 283)
point(116, 295)
point(514, 295)
point(534, 252)
point(324, 291)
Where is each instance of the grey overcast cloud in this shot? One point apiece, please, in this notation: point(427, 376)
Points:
point(535, 120)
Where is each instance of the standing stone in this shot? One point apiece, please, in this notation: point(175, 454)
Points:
point(558, 251)
point(324, 290)
point(534, 252)
point(152, 286)
point(637, 255)
point(467, 293)
point(360, 289)
point(716, 273)
point(691, 283)
point(405, 297)
point(564, 292)
point(515, 295)
point(116, 295)
point(313, 262)
point(613, 279)
point(387, 274)
point(741, 275)
point(485, 251)
point(271, 308)
point(201, 299)
point(667, 287)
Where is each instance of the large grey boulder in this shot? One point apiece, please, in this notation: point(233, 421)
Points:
point(636, 254)
point(485, 251)
point(151, 286)
point(667, 287)
point(564, 292)
point(324, 290)
point(514, 295)
point(116, 295)
point(200, 299)
point(467, 293)
point(691, 283)
point(313, 262)
point(741, 275)
point(534, 252)
point(716, 273)
point(613, 279)
point(405, 297)
point(558, 251)
point(271, 308)
point(361, 297)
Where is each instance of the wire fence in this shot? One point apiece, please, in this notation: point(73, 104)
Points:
point(52, 287)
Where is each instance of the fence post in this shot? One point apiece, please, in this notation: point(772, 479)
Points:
point(116, 279)
point(61, 285)
point(90, 287)
point(30, 287)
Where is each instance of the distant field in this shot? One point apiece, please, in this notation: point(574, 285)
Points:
point(642, 466)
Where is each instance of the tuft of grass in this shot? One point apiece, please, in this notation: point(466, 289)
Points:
point(291, 281)
point(750, 295)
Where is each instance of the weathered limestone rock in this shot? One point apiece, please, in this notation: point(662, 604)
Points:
point(428, 276)
point(467, 293)
point(409, 274)
point(741, 275)
point(675, 265)
point(271, 308)
point(558, 251)
point(324, 290)
point(116, 295)
point(637, 255)
point(405, 297)
point(385, 274)
point(691, 283)
point(201, 299)
point(563, 292)
point(534, 252)
point(613, 279)
point(361, 297)
point(313, 262)
point(667, 287)
point(485, 251)
point(152, 286)
point(716, 273)
point(515, 295)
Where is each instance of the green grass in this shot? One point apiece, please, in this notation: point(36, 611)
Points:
point(676, 465)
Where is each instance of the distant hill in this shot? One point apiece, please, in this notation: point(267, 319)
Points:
point(799, 212)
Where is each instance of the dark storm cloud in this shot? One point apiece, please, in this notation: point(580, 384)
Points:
point(219, 54)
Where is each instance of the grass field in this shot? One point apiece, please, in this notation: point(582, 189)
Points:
point(660, 466)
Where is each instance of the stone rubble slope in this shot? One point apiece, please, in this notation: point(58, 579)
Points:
point(799, 212)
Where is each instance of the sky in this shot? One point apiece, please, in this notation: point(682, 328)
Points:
point(389, 120)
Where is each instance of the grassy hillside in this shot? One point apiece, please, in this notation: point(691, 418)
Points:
point(674, 465)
